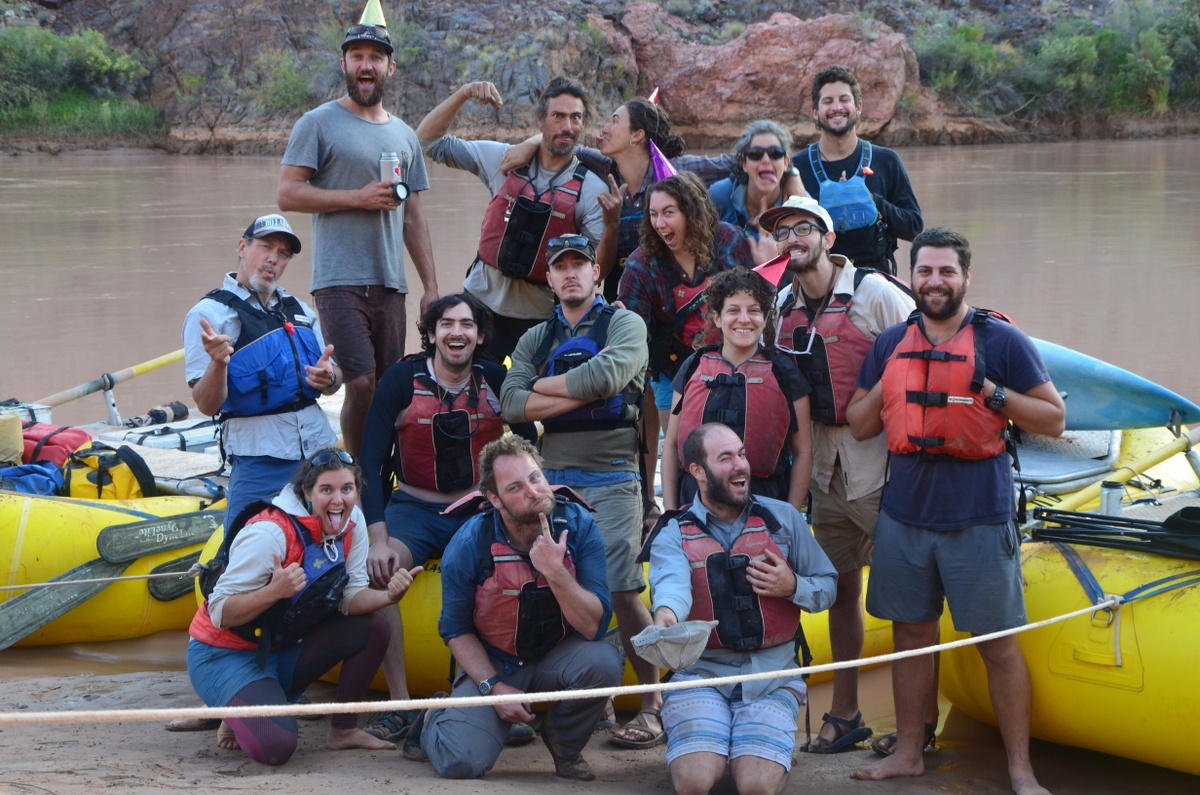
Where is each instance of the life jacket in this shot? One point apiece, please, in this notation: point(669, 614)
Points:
point(667, 351)
point(517, 223)
point(266, 370)
point(54, 443)
point(722, 591)
point(559, 353)
point(288, 620)
point(848, 202)
point(933, 397)
point(829, 352)
point(442, 434)
point(749, 399)
point(515, 609)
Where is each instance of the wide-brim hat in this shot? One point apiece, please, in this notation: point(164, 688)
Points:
point(674, 647)
point(796, 205)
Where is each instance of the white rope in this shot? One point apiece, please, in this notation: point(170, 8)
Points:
point(94, 581)
point(144, 715)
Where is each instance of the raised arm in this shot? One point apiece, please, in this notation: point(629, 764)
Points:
point(437, 122)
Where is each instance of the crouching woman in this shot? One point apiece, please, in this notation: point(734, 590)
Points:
point(291, 603)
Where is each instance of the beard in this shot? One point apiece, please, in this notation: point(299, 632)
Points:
point(949, 308)
point(375, 97)
point(526, 515)
point(804, 262)
point(851, 123)
point(719, 492)
point(562, 149)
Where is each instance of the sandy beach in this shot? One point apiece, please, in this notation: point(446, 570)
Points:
point(134, 757)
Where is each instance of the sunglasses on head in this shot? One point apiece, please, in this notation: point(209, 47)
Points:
point(568, 241)
point(326, 456)
point(368, 30)
point(773, 152)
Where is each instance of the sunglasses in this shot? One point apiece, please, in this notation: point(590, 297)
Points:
point(368, 30)
point(326, 456)
point(568, 241)
point(773, 152)
point(802, 229)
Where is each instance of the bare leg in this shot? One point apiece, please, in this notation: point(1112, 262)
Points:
point(393, 658)
point(359, 392)
point(697, 774)
point(846, 633)
point(632, 618)
point(912, 688)
point(651, 422)
point(753, 775)
point(1008, 685)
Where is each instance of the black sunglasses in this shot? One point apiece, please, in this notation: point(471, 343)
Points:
point(368, 30)
point(325, 456)
point(773, 152)
point(568, 241)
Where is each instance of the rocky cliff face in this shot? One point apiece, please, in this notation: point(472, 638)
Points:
point(217, 66)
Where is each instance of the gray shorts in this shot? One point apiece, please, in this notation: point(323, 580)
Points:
point(619, 518)
point(977, 571)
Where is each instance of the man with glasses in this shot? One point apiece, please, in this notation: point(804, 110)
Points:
point(581, 374)
point(267, 425)
point(864, 187)
point(829, 314)
point(362, 219)
point(553, 194)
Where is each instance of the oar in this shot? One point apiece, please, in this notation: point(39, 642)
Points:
point(32, 610)
point(123, 543)
point(168, 590)
point(109, 380)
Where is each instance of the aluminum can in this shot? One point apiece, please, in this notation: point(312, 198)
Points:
point(389, 167)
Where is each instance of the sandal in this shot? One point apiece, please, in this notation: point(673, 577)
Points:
point(886, 744)
point(641, 726)
point(850, 732)
point(391, 726)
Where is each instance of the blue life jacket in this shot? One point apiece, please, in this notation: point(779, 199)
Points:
point(849, 201)
point(266, 371)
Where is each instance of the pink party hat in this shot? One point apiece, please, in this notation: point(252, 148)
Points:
point(773, 269)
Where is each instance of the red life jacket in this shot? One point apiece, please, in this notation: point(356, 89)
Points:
point(53, 443)
point(829, 352)
point(306, 552)
point(669, 347)
point(748, 398)
point(496, 235)
point(933, 397)
point(721, 591)
point(442, 434)
point(515, 609)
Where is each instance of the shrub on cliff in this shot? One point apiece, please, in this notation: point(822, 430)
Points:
point(36, 63)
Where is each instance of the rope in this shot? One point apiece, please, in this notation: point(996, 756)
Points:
point(145, 715)
point(94, 581)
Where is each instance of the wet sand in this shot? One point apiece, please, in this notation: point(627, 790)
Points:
point(78, 759)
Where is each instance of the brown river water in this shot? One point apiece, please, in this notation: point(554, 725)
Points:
point(1092, 245)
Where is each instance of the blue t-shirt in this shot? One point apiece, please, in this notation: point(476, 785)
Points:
point(949, 493)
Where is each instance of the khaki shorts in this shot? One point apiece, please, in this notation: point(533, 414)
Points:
point(619, 519)
point(845, 529)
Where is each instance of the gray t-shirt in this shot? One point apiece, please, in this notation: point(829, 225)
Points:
point(355, 247)
point(515, 298)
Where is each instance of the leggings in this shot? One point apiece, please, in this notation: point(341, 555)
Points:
point(357, 641)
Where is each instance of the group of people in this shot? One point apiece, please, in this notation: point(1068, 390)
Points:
point(746, 305)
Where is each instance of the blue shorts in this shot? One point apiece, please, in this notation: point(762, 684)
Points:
point(218, 674)
point(663, 391)
point(977, 571)
point(420, 526)
point(702, 720)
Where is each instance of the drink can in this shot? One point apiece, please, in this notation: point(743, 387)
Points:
point(389, 167)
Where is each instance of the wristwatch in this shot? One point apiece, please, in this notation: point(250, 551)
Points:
point(997, 400)
point(485, 687)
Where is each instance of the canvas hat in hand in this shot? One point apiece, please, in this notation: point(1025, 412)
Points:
point(674, 647)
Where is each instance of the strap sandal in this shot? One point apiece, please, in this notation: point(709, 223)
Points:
point(391, 726)
point(885, 745)
point(638, 733)
point(849, 733)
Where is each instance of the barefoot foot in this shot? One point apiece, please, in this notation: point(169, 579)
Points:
point(345, 739)
point(891, 767)
point(1025, 784)
point(225, 738)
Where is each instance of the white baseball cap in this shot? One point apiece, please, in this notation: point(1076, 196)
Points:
point(794, 205)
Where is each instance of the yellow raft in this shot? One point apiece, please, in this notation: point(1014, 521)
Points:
point(53, 538)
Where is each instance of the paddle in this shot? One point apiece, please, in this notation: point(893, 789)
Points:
point(123, 543)
point(33, 610)
point(168, 590)
point(109, 380)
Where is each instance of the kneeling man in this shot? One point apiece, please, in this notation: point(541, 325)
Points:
point(525, 605)
point(752, 564)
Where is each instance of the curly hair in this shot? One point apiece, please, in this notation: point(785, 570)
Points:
point(427, 325)
point(759, 127)
point(508, 444)
point(739, 280)
point(656, 123)
point(691, 196)
point(836, 74)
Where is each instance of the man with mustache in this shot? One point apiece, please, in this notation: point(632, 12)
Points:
point(942, 388)
point(751, 564)
point(551, 195)
point(864, 187)
point(361, 223)
point(829, 314)
point(524, 609)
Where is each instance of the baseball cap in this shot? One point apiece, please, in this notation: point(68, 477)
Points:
point(794, 205)
point(557, 246)
point(273, 225)
point(374, 34)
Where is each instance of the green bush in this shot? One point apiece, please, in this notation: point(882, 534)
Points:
point(283, 86)
point(74, 113)
point(36, 62)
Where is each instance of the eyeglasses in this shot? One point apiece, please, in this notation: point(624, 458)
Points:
point(802, 229)
point(325, 456)
point(568, 241)
point(773, 152)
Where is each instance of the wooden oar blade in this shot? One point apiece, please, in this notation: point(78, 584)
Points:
point(122, 543)
point(34, 609)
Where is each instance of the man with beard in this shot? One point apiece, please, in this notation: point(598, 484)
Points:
point(432, 414)
point(864, 187)
point(581, 373)
point(552, 195)
point(524, 610)
point(829, 314)
point(729, 542)
point(361, 223)
point(943, 387)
